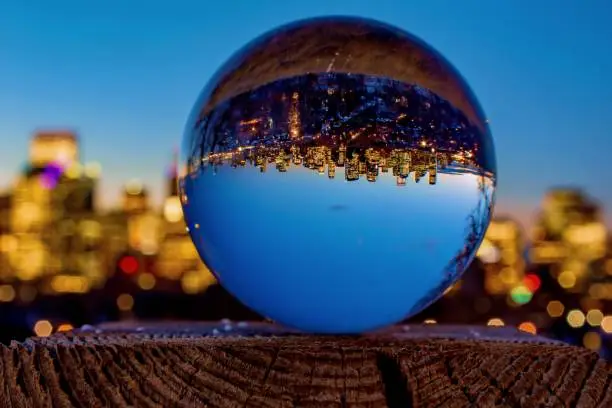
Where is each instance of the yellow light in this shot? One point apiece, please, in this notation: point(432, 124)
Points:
point(587, 234)
point(125, 302)
point(594, 317)
point(507, 276)
point(93, 170)
point(430, 321)
point(606, 324)
point(528, 327)
point(495, 322)
point(575, 318)
point(7, 293)
point(173, 211)
point(196, 281)
point(70, 284)
point(555, 308)
point(134, 187)
point(146, 281)
point(502, 231)
point(8, 243)
point(567, 279)
point(592, 341)
point(74, 171)
point(64, 327)
point(43, 328)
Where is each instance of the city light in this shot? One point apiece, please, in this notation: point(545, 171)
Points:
point(173, 212)
point(43, 328)
point(7, 293)
point(594, 317)
point(146, 281)
point(495, 322)
point(74, 171)
point(521, 295)
point(575, 318)
point(528, 327)
point(70, 284)
point(488, 253)
point(555, 308)
point(606, 324)
point(195, 281)
point(532, 282)
point(134, 187)
point(128, 265)
point(430, 321)
point(567, 279)
point(592, 341)
point(125, 302)
point(64, 327)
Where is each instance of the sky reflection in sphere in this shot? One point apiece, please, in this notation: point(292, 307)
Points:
point(337, 175)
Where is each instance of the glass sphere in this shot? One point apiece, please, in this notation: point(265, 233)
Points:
point(337, 175)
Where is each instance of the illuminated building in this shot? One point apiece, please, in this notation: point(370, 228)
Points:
point(53, 147)
point(135, 198)
point(52, 217)
point(432, 175)
point(500, 251)
point(570, 237)
point(177, 257)
point(294, 116)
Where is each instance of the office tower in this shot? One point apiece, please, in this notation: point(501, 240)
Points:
point(570, 237)
point(59, 147)
point(52, 214)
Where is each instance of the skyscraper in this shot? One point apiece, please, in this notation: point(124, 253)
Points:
point(52, 215)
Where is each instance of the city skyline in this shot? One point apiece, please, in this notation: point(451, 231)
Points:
point(127, 92)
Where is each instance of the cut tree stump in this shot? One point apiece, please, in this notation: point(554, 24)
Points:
point(230, 364)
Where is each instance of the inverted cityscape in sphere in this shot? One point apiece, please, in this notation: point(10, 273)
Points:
point(337, 175)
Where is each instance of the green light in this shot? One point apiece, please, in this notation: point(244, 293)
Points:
point(521, 295)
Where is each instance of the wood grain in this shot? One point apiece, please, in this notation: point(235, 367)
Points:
point(259, 365)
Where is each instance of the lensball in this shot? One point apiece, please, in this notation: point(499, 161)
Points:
point(337, 175)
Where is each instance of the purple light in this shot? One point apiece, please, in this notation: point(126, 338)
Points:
point(51, 175)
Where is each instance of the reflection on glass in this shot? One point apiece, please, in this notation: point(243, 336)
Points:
point(337, 175)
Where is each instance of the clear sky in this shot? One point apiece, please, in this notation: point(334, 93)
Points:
point(125, 74)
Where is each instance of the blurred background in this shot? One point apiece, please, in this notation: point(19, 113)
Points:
point(106, 89)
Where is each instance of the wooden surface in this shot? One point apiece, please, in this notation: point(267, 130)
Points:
point(246, 364)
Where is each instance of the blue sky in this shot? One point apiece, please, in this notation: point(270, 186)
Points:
point(125, 74)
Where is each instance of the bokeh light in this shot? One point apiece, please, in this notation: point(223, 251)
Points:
point(592, 341)
point(575, 318)
point(495, 322)
point(521, 295)
point(606, 324)
point(43, 328)
point(594, 317)
point(555, 308)
point(125, 302)
point(528, 327)
point(567, 279)
point(129, 264)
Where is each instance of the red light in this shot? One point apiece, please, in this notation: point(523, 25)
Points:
point(128, 264)
point(532, 282)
